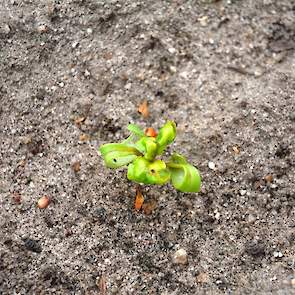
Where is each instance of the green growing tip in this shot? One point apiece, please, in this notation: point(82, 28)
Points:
point(166, 136)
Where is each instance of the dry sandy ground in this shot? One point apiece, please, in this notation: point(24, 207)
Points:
point(223, 70)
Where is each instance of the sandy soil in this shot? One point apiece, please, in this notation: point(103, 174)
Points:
point(72, 74)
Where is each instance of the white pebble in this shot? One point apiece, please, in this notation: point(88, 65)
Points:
point(172, 50)
point(211, 165)
point(173, 69)
point(180, 257)
point(278, 254)
point(75, 44)
point(42, 28)
point(243, 192)
point(89, 31)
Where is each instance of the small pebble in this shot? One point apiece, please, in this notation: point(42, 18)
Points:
point(172, 50)
point(211, 165)
point(33, 245)
point(43, 202)
point(89, 31)
point(180, 257)
point(202, 278)
point(251, 218)
point(5, 29)
point(278, 254)
point(75, 44)
point(172, 69)
point(42, 29)
point(268, 178)
point(243, 192)
point(203, 20)
point(236, 149)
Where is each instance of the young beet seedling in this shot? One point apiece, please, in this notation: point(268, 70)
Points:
point(139, 153)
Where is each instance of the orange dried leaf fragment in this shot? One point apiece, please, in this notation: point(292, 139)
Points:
point(76, 166)
point(150, 132)
point(79, 120)
point(84, 137)
point(139, 199)
point(143, 109)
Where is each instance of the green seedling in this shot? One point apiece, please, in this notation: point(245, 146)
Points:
point(139, 154)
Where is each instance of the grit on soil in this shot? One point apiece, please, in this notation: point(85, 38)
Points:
point(72, 75)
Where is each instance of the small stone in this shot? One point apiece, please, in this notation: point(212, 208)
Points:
point(89, 31)
point(128, 86)
point(203, 20)
point(251, 218)
point(42, 28)
point(202, 278)
point(292, 282)
point(43, 202)
point(100, 214)
point(268, 178)
point(5, 29)
point(217, 215)
point(211, 41)
point(278, 254)
point(172, 50)
point(173, 69)
point(75, 44)
point(180, 257)
point(243, 192)
point(211, 165)
point(236, 149)
point(33, 245)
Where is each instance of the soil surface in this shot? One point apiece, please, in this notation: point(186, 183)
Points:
point(72, 75)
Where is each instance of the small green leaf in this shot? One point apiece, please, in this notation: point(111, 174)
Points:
point(144, 171)
point(166, 136)
point(117, 155)
point(184, 177)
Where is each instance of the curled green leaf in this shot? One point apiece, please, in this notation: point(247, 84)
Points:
point(116, 155)
point(144, 171)
point(166, 136)
point(184, 177)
